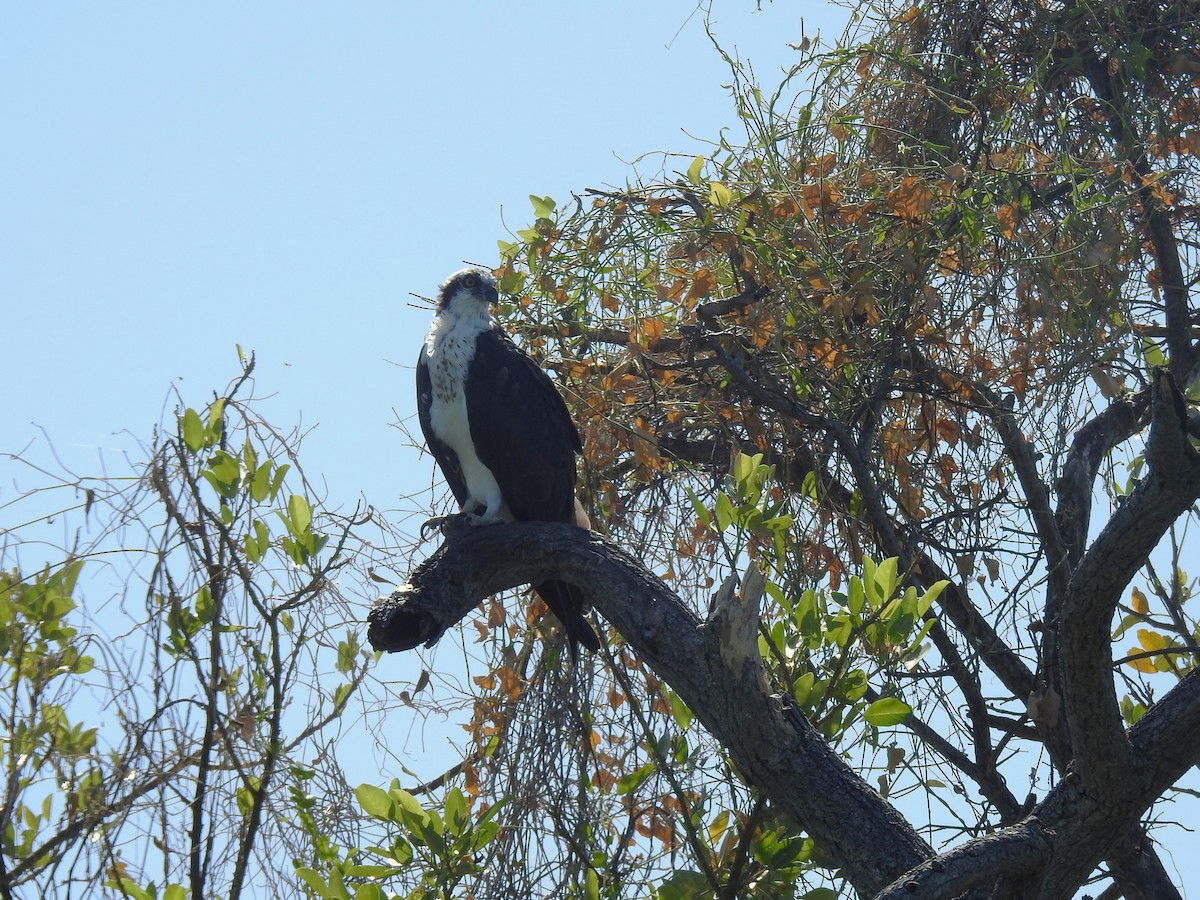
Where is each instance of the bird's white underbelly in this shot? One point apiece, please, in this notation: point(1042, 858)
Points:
point(448, 417)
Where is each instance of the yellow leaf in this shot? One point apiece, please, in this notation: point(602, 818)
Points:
point(1151, 640)
point(1139, 602)
point(1141, 665)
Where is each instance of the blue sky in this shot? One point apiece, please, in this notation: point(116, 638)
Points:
point(178, 179)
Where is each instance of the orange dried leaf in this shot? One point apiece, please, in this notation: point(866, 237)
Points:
point(495, 614)
point(761, 331)
point(650, 331)
point(912, 200)
point(821, 167)
point(786, 208)
point(1006, 215)
point(510, 683)
point(471, 780)
point(703, 284)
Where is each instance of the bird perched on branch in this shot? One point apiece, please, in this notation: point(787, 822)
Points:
point(498, 428)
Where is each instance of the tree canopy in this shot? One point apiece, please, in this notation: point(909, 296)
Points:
point(921, 351)
point(889, 411)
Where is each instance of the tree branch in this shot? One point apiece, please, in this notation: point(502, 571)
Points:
point(767, 736)
point(1101, 749)
point(1072, 826)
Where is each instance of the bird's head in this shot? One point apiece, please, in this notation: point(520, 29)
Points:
point(469, 291)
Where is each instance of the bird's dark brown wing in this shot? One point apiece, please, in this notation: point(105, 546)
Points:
point(522, 431)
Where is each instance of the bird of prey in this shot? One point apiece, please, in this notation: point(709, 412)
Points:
point(498, 428)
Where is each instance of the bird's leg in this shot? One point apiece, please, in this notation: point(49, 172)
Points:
point(477, 512)
point(482, 519)
point(473, 513)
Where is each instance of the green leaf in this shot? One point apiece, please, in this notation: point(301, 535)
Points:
point(543, 207)
point(260, 481)
point(245, 795)
point(216, 422)
point(454, 810)
point(724, 512)
point(887, 711)
point(701, 512)
point(679, 712)
point(839, 630)
point(886, 579)
point(802, 687)
point(129, 889)
point(853, 684)
point(375, 801)
point(223, 472)
point(299, 514)
point(346, 655)
point(1155, 358)
point(206, 609)
point(341, 694)
point(262, 538)
point(407, 802)
point(694, 170)
point(928, 598)
point(193, 430)
point(629, 783)
point(336, 890)
point(683, 885)
point(719, 195)
point(1126, 623)
point(856, 596)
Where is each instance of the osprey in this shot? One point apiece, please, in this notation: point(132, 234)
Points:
point(498, 428)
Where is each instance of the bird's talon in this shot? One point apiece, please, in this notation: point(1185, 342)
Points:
point(436, 523)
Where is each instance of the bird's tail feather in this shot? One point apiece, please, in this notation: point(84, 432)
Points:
point(566, 602)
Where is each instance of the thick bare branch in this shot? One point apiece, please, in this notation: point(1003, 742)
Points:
point(1101, 749)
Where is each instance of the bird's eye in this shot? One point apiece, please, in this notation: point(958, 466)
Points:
point(471, 281)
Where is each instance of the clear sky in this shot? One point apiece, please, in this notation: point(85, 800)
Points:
point(176, 179)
